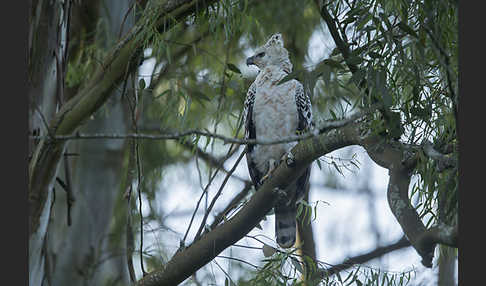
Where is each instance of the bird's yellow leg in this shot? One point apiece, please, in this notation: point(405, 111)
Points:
point(272, 165)
point(288, 157)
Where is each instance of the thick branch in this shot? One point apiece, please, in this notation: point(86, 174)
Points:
point(399, 161)
point(340, 44)
point(443, 161)
point(405, 213)
point(189, 260)
point(442, 233)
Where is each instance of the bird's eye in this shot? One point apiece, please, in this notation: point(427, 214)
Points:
point(261, 55)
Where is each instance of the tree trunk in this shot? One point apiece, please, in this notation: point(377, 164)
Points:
point(447, 266)
point(47, 49)
point(83, 256)
point(86, 255)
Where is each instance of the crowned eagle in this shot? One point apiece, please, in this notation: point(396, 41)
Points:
point(273, 111)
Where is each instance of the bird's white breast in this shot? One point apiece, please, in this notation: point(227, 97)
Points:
point(275, 117)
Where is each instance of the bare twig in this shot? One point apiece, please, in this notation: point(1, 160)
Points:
point(202, 251)
point(139, 190)
point(219, 167)
point(232, 204)
point(128, 195)
point(239, 260)
point(69, 192)
point(197, 206)
point(326, 126)
point(129, 240)
point(125, 18)
point(203, 223)
point(211, 160)
point(225, 273)
point(44, 121)
point(378, 252)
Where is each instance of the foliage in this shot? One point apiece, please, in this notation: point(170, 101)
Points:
point(405, 54)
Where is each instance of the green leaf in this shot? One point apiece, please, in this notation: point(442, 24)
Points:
point(141, 84)
point(198, 95)
point(394, 127)
point(363, 22)
point(354, 60)
point(163, 93)
point(293, 75)
point(233, 68)
point(407, 29)
point(354, 163)
point(337, 168)
point(357, 77)
point(380, 83)
point(299, 210)
point(333, 63)
point(374, 55)
point(297, 265)
point(333, 114)
point(349, 20)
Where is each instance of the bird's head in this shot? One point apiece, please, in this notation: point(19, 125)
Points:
point(272, 53)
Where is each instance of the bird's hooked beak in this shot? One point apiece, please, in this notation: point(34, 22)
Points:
point(250, 61)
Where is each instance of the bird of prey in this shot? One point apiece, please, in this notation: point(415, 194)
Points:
point(273, 111)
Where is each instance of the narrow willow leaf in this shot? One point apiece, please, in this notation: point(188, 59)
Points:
point(407, 29)
point(141, 84)
point(233, 68)
point(374, 55)
point(293, 75)
point(357, 77)
point(163, 93)
point(333, 114)
point(333, 63)
point(354, 60)
point(297, 265)
point(337, 168)
point(360, 24)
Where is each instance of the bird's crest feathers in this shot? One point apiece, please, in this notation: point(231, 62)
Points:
point(272, 53)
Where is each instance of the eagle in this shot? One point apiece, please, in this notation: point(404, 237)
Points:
point(273, 111)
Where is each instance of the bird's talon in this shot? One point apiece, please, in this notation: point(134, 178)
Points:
point(281, 193)
point(290, 159)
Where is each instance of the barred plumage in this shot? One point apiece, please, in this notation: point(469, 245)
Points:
point(273, 111)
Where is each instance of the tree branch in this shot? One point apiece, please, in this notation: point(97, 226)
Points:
point(359, 259)
point(323, 126)
point(189, 260)
point(399, 161)
point(443, 161)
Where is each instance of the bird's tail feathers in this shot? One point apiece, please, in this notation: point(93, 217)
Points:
point(285, 225)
